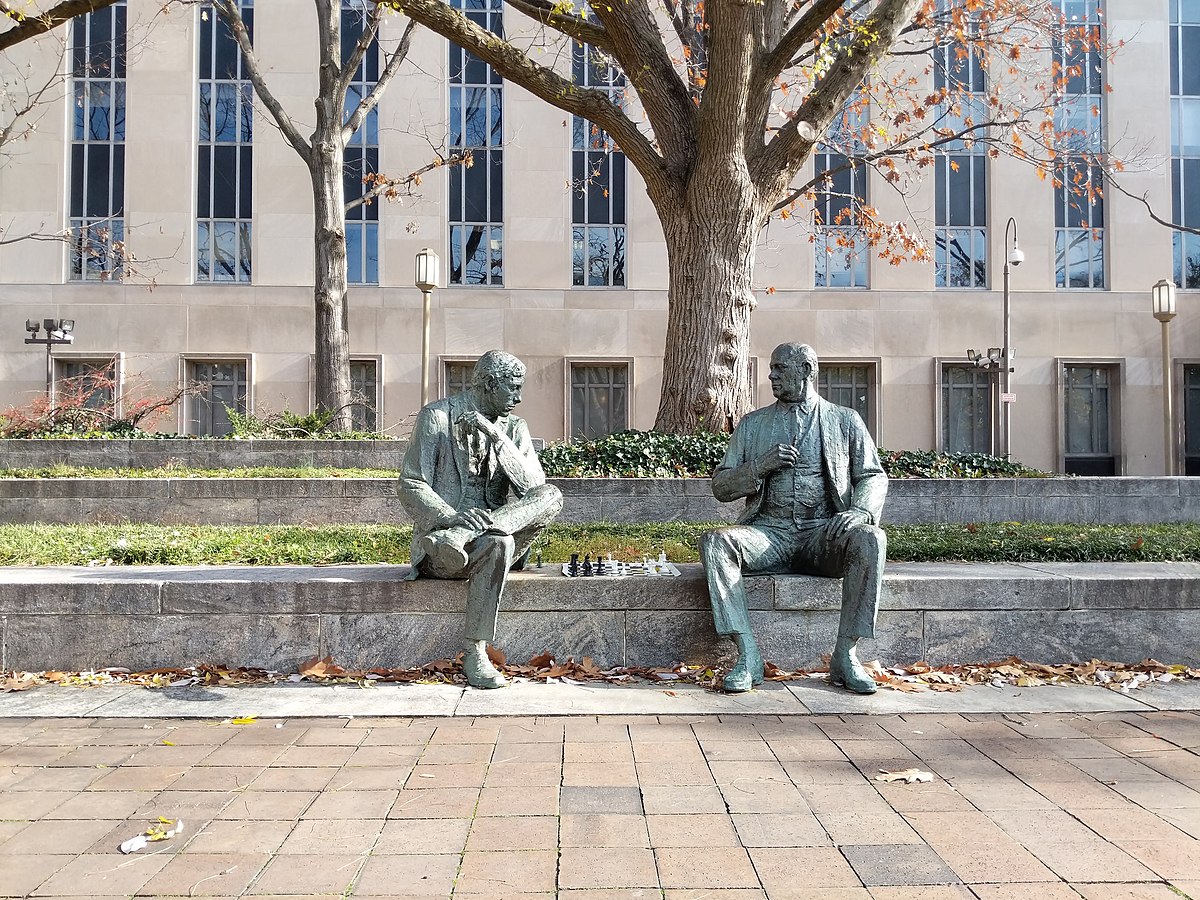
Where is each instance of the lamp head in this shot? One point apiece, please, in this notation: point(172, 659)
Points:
point(32, 326)
point(1016, 256)
point(66, 326)
point(1162, 300)
point(427, 270)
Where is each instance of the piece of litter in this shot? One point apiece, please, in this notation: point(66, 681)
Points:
point(908, 776)
point(278, 724)
point(156, 832)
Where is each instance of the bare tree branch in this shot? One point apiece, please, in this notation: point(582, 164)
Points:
point(228, 11)
point(369, 102)
point(574, 27)
point(542, 81)
point(803, 31)
point(1144, 199)
point(30, 26)
point(350, 66)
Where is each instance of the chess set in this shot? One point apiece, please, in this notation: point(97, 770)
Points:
point(607, 567)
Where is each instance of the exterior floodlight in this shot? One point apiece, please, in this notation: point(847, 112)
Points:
point(32, 326)
point(58, 331)
point(67, 326)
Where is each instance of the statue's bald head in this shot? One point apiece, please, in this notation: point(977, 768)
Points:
point(793, 372)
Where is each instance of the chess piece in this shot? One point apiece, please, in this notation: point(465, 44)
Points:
point(573, 567)
point(587, 564)
point(599, 570)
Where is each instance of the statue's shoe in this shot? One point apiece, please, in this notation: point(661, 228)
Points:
point(447, 548)
point(747, 673)
point(480, 672)
point(851, 675)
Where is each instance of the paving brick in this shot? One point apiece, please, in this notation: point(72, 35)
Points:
point(517, 774)
point(537, 752)
point(664, 773)
point(705, 867)
point(582, 800)
point(581, 867)
point(243, 754)
point(924, 892)
point(101, 875)
point(21, 873)
point(367, 778)
point(268, 805)
point(607, 774)
point(513, 833)
point(604, 831)
point(598, 751)
point(706, 830)
point(342, 836)
point(1125, 892)
point(307, 874)
point(892, 864)
point(56, 837)
point(823, 867)
point(100, 805)
point(422, 836)
point(780, 830)
point(506, 872)
point(29, 805)
point(437, 803)
point(206, 874)
point(1177, 859)
point(239, 837)
point(458, 775)
point(293, 779)
point(1057, 891)
point(518, 801)
point(314, 756)
point(855, 827)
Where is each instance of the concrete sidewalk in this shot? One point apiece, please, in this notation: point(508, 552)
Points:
point(525, 698)
point(725, 805)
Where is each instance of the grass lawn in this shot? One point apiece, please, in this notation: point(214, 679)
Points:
point(299, 545)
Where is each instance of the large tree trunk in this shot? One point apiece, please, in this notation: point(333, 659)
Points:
point(329, 289)
point(710, 240)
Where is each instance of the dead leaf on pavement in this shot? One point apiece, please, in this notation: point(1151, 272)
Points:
point(908, 776)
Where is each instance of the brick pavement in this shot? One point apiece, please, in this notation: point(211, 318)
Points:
point(1023, 807)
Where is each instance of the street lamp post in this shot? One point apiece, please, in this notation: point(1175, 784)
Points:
point(58, 331)
point(426, 280)
point(1162, 304)
point(1012, 258)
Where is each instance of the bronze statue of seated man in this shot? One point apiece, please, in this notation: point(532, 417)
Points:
point(814, 493)
point(467, 455)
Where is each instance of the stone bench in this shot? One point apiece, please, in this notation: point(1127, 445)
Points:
point(365, 616)
point(290, 501)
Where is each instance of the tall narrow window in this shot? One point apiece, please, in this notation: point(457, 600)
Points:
point(477, 127)
point(1185, 138)
point(960, 169)
point(841, 246)
point(93, 381)
point(1191, 420)
point(599, 400)
point(364, 388)
point(362, 153)
point(97, 202)
point(221, 387)
point(1078, 181)
point(848, 385)
point(225, 157)
point(1088, 399)
point(457, 377)
point(966, 409)
point(598, 176)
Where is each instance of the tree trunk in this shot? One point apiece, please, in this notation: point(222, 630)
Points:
point(329, 291)
point(710, 240)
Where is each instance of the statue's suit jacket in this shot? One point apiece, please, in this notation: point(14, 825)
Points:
point(433, 477)
point(853, 475)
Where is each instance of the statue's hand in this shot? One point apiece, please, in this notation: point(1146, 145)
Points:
point(781, 456)
point(844, 521)
point(472, 518)
point(482, 423)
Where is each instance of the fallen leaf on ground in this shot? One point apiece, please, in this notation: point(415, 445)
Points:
point(908, 776)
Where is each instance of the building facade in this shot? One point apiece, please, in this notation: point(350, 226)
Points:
point(551, 250)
